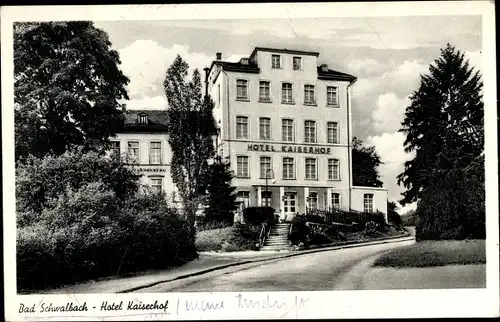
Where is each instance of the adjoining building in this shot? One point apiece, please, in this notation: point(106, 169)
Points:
point(284, 124)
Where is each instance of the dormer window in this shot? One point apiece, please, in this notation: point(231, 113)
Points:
point(143, 119)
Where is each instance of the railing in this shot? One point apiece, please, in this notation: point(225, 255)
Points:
point(337, 216)
point(263, 235)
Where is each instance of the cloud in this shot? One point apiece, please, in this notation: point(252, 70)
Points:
point(474, 59)
point(389, 112)
point(147, 103)
point(390, 148)
point(367, 66)
point(145, 63)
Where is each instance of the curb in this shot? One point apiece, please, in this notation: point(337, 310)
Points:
point(292, 254)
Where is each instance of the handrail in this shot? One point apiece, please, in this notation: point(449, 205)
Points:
point(262, 235)
point(290, 231)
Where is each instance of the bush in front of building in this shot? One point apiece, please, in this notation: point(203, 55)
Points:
point(300, 231)
point(229, 239)
point(257, 215)
point(68, 233)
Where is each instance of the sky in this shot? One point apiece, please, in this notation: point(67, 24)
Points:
point(386, 54)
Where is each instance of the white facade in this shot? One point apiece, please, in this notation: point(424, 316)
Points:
point(278, 110)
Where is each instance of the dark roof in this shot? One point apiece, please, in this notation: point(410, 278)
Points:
point(285, 51)
point(334, 75)
point(237, 67)
point(157, 121)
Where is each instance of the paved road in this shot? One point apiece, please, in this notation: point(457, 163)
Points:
point(328, 270)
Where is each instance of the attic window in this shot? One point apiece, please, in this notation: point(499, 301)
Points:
point(143, 119)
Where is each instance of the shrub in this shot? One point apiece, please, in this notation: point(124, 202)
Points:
point(257, 215)
point(452, 208)
point(40, 182)
point(300, 230)
point(94, 228)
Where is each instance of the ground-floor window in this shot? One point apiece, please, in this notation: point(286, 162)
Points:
point(156, 185)
point(368, 202)
point(336, 201)
point(313, 200)
point(267, 198)
point(244, 198)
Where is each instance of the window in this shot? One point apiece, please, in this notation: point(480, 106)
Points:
point(155, 152)
point(133, 150)
point(264, 91)
point(333, 169)
point(242, 167)
point(336, 201)
point(218, 95)
point(267, 198)
point(297, 63)
point(310, 131)
point(331, 96)
point(368, 202)
point(275, 61)
point(115, 148)
point(288, 168)
point(287, 93)
point(265, 128)
point(265, 166)
point(313, 200)
point(311, 169)
point(241, 89)
point(287, 130)
point(242, 127)
point(309, 94)
point(156, 185)
point(143, 119)
point(244, 198)
point(332, 132)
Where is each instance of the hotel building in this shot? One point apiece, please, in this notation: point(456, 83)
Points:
point(285, 125)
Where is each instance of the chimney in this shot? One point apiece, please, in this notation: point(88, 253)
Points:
point(207, 70)
point(324, 67)
point(218, 56)
point(124, 108)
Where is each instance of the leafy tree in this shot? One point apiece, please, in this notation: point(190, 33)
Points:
point(191, 128)
point(221, 195)
point(443, 124)
point(66, 88)
point(365, 161)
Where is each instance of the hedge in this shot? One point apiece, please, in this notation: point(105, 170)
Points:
point(93, 230)
point(258, 215)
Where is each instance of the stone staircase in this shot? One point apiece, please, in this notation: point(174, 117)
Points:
point(278, 238)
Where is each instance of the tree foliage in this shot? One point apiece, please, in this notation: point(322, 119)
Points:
point(365, 163)
point(221, 195)
point(444, 130)
point(443, 124)
point(67, 84)
point(191, 128)
point(392, 214)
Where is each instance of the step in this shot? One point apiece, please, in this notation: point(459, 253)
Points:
point(277, 237)
point(268, 243)
point(285, 231)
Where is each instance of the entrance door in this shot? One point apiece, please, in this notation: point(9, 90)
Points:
point(290, 205)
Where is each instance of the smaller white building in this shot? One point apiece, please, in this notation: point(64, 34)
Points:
point(144, 139)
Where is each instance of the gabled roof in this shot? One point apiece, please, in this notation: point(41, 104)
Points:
point(157, 121)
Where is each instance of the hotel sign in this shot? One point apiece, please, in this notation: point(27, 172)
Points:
point(289, 149)
point(152, 170)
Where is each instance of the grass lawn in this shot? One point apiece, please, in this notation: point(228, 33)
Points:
point(228, 239)
point(436, 253)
